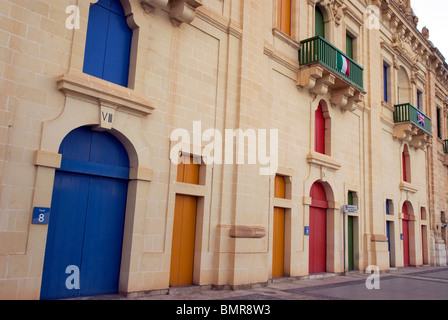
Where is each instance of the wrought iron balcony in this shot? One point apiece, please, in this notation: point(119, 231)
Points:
point(408, 113)
point(318, 50)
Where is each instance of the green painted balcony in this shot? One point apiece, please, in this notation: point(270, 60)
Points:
point(412, 126)
point(406, 112)
point(318, 50)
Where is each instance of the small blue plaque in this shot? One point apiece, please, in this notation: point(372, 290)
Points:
point(307, 230)
point(401, 236)
point(41, 215)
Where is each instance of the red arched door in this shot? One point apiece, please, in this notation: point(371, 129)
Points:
point(318, 229)
point(406, 219)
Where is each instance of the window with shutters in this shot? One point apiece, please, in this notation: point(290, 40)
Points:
point(108, 43)
point(319, 130)
point(439, 122)
point(284, 16)
point(319, 23)
point(322, 134)
point(349, 46)
point(386, 82)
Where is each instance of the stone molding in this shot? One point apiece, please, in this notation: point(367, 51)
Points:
point(180, 11)
point(89, 88)
point(248, 232)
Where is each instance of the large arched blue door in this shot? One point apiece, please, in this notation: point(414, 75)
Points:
point(85, 232)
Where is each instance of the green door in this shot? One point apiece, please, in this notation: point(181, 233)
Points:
point(351, 260)
point(349, 46)
point(319, 23)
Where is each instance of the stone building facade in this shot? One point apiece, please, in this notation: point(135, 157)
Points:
point(282, 112)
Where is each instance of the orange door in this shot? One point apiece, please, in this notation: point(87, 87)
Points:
point(278, 246)
point(182, 250)
point(278, 242)
point(188, 172)
point(184, 227)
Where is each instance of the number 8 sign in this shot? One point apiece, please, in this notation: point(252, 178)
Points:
point(41, 215)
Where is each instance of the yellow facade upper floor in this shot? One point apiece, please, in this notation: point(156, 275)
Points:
point(228, 64)
point(362, 52)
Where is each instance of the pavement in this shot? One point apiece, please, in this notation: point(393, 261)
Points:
point(411, 283)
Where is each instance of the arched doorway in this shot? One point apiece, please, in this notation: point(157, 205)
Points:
point(85, 233)
point(318, 229)
point(405, 235)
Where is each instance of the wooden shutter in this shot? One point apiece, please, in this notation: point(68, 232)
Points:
point(319, 131)
point(385, 84)
point(405, 178)
point(284, 16)
point(108, 43)
point(349, 46)
point(319, 23)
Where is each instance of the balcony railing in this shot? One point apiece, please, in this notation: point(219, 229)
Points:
point(319, 50)
point(408, 113)
point(445, 146)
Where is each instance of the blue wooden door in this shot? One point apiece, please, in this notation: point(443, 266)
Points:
point(87, 216)
point(388, 241)
point(108, 43)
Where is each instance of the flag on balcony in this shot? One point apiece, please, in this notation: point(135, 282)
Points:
point(421, 119)
point(342, 64)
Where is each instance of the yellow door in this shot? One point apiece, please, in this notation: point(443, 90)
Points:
point(188, 172)
point(182, 250)
point(184, 228)
point(278, 245)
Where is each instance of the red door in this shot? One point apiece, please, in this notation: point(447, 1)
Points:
point(406, 260)
point(318, 230)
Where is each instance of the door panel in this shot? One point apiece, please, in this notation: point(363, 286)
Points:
point(318, 240)
point(278, 246)
point(351, 257)
point(405, 225)
point(103, 234)
point(184, 232)
point(64, 241)
point(406, 243)
point(388, 241)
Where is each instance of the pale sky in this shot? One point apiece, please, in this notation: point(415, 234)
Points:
point(433, 14)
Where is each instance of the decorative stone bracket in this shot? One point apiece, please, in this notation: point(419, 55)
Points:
point(180, 10)
point(408, 132)
point(319, 80)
